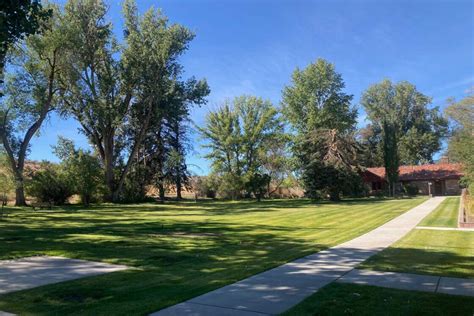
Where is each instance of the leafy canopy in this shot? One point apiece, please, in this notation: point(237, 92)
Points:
point(238, 135)
point(324, 120)
point(419, 129)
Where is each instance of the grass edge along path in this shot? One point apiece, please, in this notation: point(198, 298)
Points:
point(351, 299)
point(445, 215)
point(433, 252)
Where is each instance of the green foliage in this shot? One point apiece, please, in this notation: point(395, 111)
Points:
point(50, 184)
point(167, 141)
point(321, 114)
point(239, 135)
point(370, 138)
point(30, 93)
point(18, 18)
point(135, 189)
point(315, 99)
point(257, 184)
point(118, 92)
point(6, 179)
point(82, 168)
point(328, 163)
point(206, 186)
point(230, 185)
point(404, 110)
point(461, 142)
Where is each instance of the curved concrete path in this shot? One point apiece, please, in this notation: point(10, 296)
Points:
point(30, 272)
point(276, 290)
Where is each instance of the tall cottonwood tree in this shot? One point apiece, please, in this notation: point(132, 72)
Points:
point(30, 95)
point(323, 119)
point(109, 85)
point(419, 128)
point(410, 132)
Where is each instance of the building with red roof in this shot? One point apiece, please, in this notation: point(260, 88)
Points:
point(435, 179)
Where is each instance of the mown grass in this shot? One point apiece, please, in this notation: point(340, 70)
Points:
point(351, 299)
point(177, 250)
point(445, 215)
point(437, 252)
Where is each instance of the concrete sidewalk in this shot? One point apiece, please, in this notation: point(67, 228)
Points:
point(412, 282)
point(276, 290)
point(26, 273)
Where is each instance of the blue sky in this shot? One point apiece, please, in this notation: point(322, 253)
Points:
point(253, 46)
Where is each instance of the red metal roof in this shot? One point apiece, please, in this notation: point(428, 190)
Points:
point(418, 172)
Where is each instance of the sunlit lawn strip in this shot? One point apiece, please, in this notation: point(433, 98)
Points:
point(445, 215)
point(180, 250)
point(442, 253)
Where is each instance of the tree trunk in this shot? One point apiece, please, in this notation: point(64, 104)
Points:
point(178, 186)
point(19, 192)
point(111, 195)
point(161, 189)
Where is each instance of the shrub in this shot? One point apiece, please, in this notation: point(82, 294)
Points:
point(134, 189)
point(206, 186)
point(410, 189)
point(50, 185)
point(230, 186)
point(82, 168)
point(257, 184)
point(6, 180)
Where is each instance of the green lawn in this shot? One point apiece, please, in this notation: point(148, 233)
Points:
point(447, 253)
point(351, 299)
point(445, 215)
point(178, 250)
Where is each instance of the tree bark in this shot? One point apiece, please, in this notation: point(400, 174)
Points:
point(161, 189)
point(20, 199)
point(138, 141)
point(178, 184)
point(109, 169)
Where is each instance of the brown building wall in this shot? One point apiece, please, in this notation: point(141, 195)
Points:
point(452, 187)
point(448, 187)
point(421, 185)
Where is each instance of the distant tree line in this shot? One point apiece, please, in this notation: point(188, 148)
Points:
point(133, 105)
